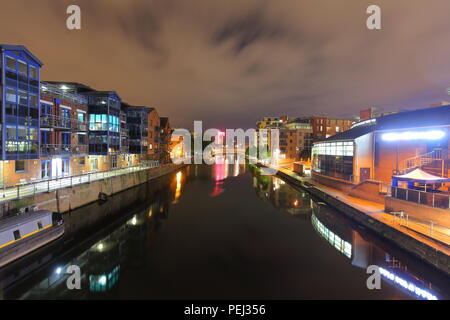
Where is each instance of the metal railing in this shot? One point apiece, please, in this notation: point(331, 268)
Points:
point(18, 191)
point(424, 159)
point(63, 149)
point(433, 199)
point(64, 123)
point(427, 227)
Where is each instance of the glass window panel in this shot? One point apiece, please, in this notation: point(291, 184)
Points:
point(23, 97)
point(11, 133)
point(33, 100)
point(23, 68)
point(34, 72)
point(22, 133)
point(11, 95)
point(11, 63)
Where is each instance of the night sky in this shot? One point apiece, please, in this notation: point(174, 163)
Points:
point(231, 62)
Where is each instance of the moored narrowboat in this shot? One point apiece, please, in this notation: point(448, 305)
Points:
point(26, 232)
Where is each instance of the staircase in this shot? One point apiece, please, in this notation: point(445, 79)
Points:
point(435, 162)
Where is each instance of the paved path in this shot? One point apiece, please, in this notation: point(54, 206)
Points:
point(417, 229)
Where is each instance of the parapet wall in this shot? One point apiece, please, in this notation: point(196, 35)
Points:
point(70, 198)
point(419, 211)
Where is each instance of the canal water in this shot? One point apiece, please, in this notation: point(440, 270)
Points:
point(217, 232)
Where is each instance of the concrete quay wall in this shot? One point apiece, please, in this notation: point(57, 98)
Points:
point(66, 199)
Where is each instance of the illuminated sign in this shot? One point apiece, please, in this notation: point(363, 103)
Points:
point(421, 293)
point(413, 135)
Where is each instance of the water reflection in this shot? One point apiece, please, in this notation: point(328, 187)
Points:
point(203, 248)
point(362, 249)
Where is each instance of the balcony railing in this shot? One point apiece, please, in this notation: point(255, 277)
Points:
point(51, 121)
point(63, 149)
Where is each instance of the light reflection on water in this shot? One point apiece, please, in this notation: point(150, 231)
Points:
point(135, 257)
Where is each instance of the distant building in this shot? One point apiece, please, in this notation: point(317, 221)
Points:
point(143, 125)
point(165, 137)
point(298, 134)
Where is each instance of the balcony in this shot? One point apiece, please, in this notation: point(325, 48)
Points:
point(57, 122)
point(63, 149)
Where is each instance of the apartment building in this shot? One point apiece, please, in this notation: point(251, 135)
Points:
point(63, 132)
point(323, 127)
point(53, 129)
point(104, 109)
point(19, 99)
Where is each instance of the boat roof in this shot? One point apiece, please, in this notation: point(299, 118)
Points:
point(9, 222)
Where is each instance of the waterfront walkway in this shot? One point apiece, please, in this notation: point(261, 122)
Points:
point(437, 236)
point(31, 189)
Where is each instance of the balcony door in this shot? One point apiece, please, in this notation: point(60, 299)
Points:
point(65, 167)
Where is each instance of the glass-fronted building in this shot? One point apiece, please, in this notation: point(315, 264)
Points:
point(334, 159)
point(104, 122)
point(19, 98)
point(137, 123)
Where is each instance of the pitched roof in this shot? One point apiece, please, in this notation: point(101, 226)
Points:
point(10, 47)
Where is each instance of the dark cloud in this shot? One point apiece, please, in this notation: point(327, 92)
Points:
point(230, 62)
point(246, 30)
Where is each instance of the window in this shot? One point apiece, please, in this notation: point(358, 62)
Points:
point(20, 165)
point(11, 63)
point(45, 137)
point(34, 113)
point(65, 113)
point(33, 134)
point(33, 100)
point(11, 95)
point(81, 161)
point(81, 116)
point(98, 122)
point(17, 235)
point(23, 98)
point(23, 68)
point(113, 161)
point(34, 72)
point(39, 224)
point(113, 123)
point(22, 133)
point(81, 139)
point(11, 133)
point(65, 136)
